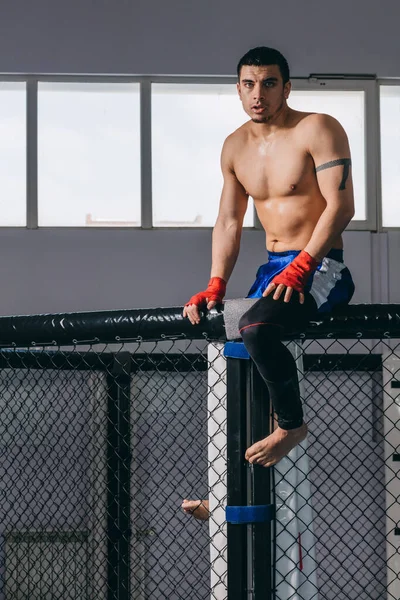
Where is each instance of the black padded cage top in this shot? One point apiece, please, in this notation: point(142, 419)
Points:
point(351, 322)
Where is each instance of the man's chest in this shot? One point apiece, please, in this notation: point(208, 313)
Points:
point(276, 169)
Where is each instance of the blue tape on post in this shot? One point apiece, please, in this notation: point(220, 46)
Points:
point(236, 350)
point(238, 515)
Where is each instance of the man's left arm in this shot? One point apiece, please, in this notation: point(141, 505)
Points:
point(329, 148)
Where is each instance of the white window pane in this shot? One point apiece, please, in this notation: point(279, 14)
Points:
point(12, 154)
point(189, 125)
point(186, 146)
point(390, 159)
point(348, 108)
point(89, 154)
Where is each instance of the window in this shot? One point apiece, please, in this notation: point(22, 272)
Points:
point(89, 154)
point(189, 125)
point(13, 154)
point(390, 160)
point(100, 162)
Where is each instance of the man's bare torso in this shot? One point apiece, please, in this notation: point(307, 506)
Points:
point(278, 172)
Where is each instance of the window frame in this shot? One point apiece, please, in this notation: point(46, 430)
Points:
point(370, 85)
point(32, 197)
point(383, 228)
point(21, 79)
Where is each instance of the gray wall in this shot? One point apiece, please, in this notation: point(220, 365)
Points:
point(69, 270)
point(188, 37)
point(62, 271)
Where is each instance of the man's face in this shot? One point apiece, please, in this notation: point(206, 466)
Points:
point(262, 92)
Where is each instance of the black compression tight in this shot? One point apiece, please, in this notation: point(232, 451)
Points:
point(262, 328)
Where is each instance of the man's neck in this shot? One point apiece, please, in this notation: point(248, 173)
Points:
point(271, 126)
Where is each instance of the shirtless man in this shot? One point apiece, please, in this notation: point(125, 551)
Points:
point(297, 168)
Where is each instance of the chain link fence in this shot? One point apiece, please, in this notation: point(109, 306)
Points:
point(101, 439)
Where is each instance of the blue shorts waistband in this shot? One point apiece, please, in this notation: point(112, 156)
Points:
point(335, 254)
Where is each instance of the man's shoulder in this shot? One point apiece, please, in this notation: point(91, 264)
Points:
point(317, 122)
point(320, 131)
point(236, 138)
point(239, 134)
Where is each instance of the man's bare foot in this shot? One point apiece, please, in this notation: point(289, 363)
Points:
point(273, 448)
point(198, 508)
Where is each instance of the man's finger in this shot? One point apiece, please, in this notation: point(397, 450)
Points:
point(270, 287)
point(195, 316)
point(278, 291)
point(288, 294)
point(302, 298)
point(192, 312)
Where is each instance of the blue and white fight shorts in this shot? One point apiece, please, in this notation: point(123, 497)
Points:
point(331, 285)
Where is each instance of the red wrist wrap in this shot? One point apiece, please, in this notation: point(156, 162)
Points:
point(297, 273)
point(215, 291)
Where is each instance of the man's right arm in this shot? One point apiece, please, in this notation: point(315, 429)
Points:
point(228, 227)
point(226, 236)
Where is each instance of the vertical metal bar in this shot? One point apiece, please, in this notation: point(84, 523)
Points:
point(249, 487)
point(32, 154)
point(118, 480)
point(372, 159)
point(260, 427)
point(236, 476)
point(124, 496)
point(112, 489)
point(378, 149)
point(145, 153)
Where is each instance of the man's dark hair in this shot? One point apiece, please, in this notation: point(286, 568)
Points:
point(262, 57)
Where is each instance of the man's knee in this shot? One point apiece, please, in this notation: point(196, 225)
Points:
point(264, 315)
point(248, 323)
point(257, 330)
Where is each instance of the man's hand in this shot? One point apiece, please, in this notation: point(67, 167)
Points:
point(212, 296)
point(279, 290)
point(293, 277)
point(193, 313)
point(200, 509)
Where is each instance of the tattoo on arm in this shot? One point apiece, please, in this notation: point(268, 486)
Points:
point(346, 162)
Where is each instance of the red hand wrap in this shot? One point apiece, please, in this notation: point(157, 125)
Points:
point(297, 273)
point(215, 291)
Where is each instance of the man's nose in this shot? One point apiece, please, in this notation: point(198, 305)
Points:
point(258, 92)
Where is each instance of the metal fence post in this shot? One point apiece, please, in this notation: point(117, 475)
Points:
point(118, 479)
point(260, 492)
point(248, 420)
point(236, 475)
